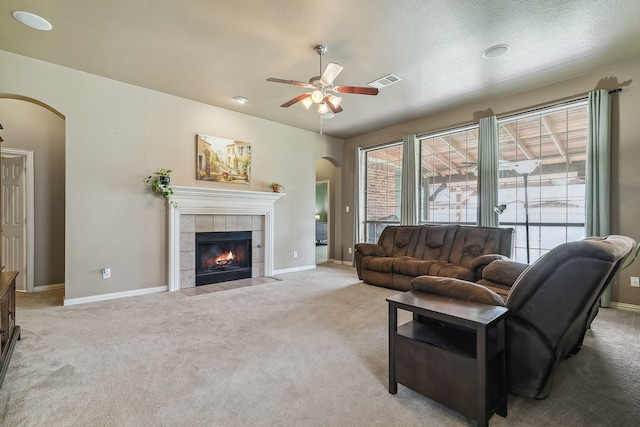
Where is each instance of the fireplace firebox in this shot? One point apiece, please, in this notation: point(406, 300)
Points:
point(222, 256)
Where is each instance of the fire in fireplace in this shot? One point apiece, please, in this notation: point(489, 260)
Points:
point(222, 256)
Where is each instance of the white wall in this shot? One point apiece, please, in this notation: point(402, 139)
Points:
point(116, 134)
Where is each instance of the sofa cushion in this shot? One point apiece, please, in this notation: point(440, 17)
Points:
point(434, 242)
point(410, 266)
point(471, 242)
point(457, 289)
point(447, 269)
point(404, 241)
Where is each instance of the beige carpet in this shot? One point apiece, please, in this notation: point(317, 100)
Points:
point(309, 350)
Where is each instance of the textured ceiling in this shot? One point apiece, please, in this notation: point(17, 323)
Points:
point(213, 50)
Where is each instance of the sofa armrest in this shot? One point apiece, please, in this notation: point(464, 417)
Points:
point(479, 263)
point(504, 272)
point(370, 249)
point(456, 289)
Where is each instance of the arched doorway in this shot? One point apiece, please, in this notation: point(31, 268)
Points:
point(328, 184)
point(38, 130)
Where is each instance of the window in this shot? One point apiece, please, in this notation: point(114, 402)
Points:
point(383, 177)
point(541, 185)
point(542, 177)
point(448, 190)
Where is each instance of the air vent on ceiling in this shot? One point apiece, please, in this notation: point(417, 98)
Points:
point(385, 81)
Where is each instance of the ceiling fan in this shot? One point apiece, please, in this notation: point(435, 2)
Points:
point(322, 90)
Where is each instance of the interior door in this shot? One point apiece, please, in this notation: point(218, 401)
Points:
point(14, 257)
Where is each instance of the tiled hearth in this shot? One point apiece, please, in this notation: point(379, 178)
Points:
point(201, 209)
point(192, 224)
point(234, 284)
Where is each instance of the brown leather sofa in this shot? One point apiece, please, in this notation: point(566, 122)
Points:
point(406, 252)
point(551, 304)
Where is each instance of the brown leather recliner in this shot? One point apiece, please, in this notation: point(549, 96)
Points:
point(551, 304)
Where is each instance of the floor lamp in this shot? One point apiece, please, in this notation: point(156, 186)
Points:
point(524, 168)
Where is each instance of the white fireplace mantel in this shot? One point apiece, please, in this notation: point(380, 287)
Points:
point(215, 201)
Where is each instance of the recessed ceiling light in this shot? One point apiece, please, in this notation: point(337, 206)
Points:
point(32, 20)
point(241, 99)
point(496, 51)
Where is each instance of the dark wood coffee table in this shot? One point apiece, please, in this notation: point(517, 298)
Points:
point(452, 352)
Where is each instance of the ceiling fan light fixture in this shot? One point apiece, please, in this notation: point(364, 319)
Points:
point(307, 102)
point(323, 91)
point(317, 96)
point(323, 108)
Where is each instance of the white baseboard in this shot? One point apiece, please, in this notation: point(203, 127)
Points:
point(48, 287)
point(341, 262)
point(624, 306)
point(293, 270)
point(114, 295)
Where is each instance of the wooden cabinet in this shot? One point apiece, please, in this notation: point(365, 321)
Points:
point(9, 331)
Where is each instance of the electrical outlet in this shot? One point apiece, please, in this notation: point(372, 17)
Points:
point(635, 282)
point(295, 254)
point(347, 209)
point(106, 273)
point(349, 250)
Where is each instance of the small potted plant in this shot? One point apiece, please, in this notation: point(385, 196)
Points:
point(277, 187)
point(160, 183)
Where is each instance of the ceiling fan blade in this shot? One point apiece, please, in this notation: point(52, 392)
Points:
point(335, 109)
point(330, 73)
point(289, 82)
point(298, 98)
point(359, 90)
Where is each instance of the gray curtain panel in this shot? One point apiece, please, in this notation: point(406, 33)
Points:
point(410, 172)
point(357, 215)
point(488, 172)
point(598, 170)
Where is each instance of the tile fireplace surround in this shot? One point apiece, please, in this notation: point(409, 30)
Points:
point(201, 209)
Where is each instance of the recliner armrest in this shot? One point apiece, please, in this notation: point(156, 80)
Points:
point(479, 263)
point(504, 272)
point(456, 289)
point(370, 249)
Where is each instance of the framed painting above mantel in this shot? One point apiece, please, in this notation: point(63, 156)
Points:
point(222, 160)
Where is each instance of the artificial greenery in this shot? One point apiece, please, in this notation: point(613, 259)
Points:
point(277, 187)
point(160, 183)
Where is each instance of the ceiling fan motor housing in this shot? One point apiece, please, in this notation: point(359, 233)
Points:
point(321, 49)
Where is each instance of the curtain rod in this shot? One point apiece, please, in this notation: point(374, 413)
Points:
point(586, 95)
point(581, 97)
